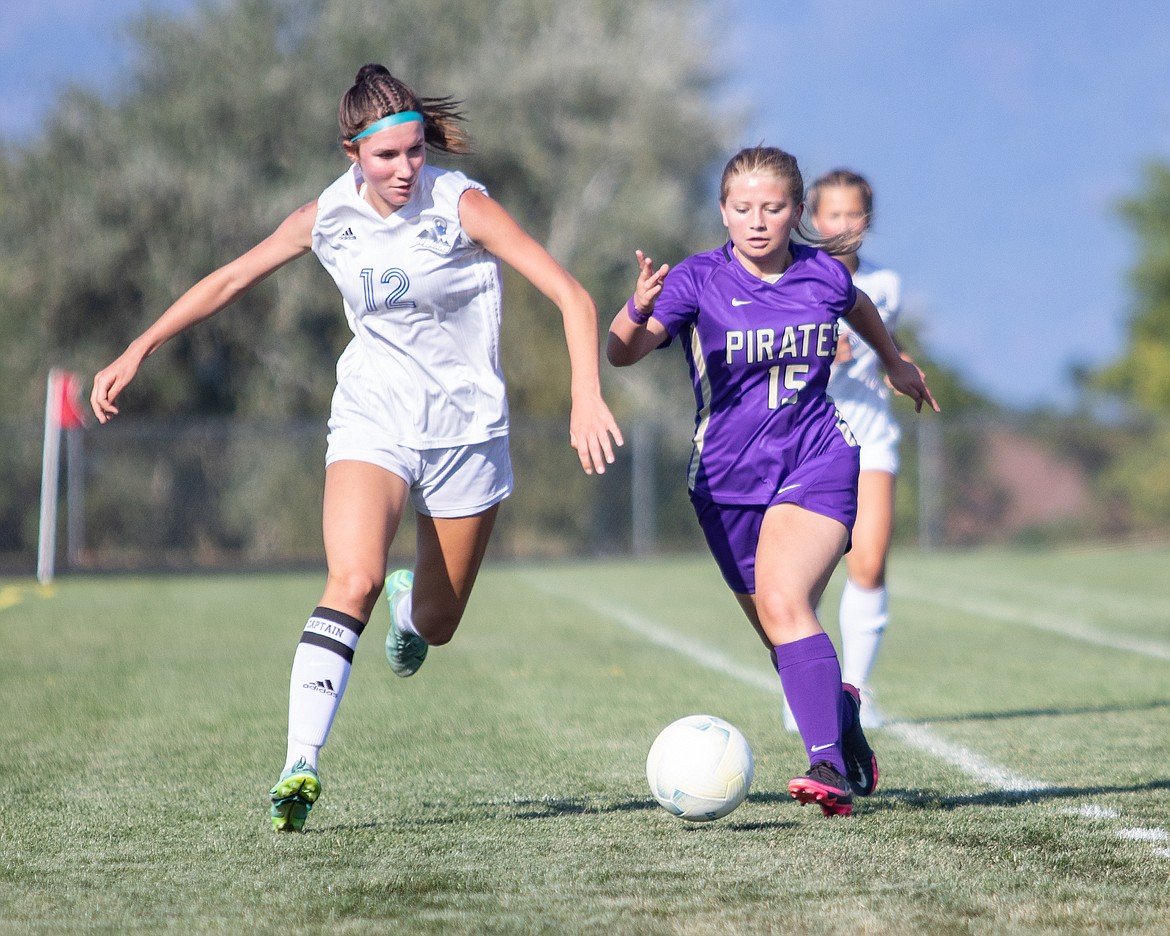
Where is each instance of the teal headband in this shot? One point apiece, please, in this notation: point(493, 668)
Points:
point(392, 120)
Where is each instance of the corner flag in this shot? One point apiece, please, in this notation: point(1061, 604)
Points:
point(63, 410)
point(66, 396)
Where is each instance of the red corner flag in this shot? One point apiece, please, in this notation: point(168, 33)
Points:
point(67, 409)
point(63, 410)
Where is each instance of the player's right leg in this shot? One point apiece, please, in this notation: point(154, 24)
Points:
point(362, 508)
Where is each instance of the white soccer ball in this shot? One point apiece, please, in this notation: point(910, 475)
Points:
point(700, 768)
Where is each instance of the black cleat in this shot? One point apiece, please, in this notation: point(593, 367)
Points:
point(826, 787)
point(860, 761)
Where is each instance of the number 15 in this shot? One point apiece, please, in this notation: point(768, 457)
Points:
point(794, 381)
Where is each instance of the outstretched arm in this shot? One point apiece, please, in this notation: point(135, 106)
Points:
point(591, 425)
point(632, 333)
point(904, 376)
point(210, 295)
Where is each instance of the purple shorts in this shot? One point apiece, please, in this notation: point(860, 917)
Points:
point(825, 485)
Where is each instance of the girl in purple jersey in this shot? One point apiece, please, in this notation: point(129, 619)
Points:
point(773, 471)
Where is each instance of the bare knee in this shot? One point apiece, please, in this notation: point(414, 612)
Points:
point(785, 616)
point(353, 592)
point(436, 621)
point(867, 570)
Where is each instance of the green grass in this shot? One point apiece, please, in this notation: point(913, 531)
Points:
point(502, 789)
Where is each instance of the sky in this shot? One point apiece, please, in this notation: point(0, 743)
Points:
point(999, 138)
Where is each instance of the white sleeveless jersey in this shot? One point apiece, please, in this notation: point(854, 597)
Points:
point(858, 387)
point(424, 304)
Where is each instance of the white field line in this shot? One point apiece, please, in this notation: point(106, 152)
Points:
point(1093, 811)
point(1144, 835)
point(973, 765)
point(1063, 624)
point(915, 736)
point(1156, 838)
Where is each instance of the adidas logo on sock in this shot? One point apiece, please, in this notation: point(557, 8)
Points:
point(321, 685)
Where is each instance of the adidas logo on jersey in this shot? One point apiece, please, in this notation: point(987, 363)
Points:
point(348, 235)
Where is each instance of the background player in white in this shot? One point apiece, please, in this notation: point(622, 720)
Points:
point(419, 412)
point(841, 202)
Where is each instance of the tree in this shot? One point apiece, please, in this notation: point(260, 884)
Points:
point(1141, 376)
point(592, 124)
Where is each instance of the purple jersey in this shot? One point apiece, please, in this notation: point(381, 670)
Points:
point(759, 355)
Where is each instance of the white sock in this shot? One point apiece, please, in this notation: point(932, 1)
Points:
point(864, 614)
point(320, 672)
point(404, 612)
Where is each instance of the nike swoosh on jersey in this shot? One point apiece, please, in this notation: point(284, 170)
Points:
point(788, 487)
point(740, 302)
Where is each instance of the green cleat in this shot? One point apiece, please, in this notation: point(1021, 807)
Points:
point(293, 796)
point(405, 652)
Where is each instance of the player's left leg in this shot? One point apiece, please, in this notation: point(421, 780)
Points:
point(427, 606)
point(864, 610)
point(861, 766)
point(456, 499)
point(450, 553)
point(405, 649)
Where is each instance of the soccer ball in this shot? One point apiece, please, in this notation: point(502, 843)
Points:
point(699, 768)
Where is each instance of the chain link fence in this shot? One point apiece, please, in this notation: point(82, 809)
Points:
point(233, 495)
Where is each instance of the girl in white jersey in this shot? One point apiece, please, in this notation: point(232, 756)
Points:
point(841, 202)
point(419, 413)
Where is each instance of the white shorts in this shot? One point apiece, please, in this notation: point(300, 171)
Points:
point(459, 481)
point(876, 432)
point(881, 454)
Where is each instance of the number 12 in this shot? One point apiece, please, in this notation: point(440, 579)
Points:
point(398, 282)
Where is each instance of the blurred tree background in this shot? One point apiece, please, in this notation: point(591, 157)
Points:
point(593, 124)
point(1141, 375)
point(596, 124)
point(1137, 481)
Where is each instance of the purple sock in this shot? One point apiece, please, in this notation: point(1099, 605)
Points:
point(811, 676)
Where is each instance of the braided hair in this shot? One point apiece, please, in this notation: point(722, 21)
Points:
point(376, 94)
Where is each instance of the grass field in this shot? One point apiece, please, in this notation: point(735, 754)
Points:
point(1025, 779)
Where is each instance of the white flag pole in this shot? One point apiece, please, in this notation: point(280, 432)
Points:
point(50, 474)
